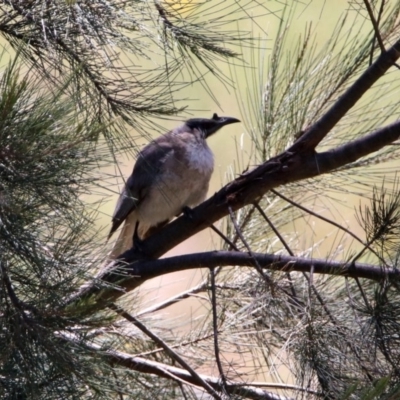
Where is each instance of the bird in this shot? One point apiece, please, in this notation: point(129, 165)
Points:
point(172, 174)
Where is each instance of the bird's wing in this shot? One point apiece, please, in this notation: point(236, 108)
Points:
point(126, 203)
point(148, 166)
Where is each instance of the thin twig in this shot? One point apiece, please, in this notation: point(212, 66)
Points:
point(288, 249)
point(120, 395)
point(329, 221)
point(167, 348)
point(224, 237)
point(182, 391)
point(378, 20)
point(245, 221)
point(250, 252)
point(272, 226)
point(215, 328)
point(181, 344)
point(375, 26)
point(201, 287)
point(19, 305)
point(354, 259)
point(166, 371)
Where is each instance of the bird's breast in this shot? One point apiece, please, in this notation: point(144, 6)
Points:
point(198, 156)
point(183, 181)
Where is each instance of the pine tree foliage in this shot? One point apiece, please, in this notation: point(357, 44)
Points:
point(60, 37)
point(47, 164)
point(317, 300)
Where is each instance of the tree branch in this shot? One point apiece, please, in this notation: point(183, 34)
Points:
point(212, 259)
point(135, 274)
point(375, 25)
point(142, 365)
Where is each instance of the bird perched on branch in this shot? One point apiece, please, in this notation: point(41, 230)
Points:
point(172, 173)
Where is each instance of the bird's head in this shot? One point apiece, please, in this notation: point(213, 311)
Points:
point(209, 126)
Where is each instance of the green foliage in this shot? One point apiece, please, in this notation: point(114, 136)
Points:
point(47, 163)
point(128, 57)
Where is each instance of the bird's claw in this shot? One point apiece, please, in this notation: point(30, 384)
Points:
point(187, 212)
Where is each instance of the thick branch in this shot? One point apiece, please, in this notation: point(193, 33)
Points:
point(152, 268)
point(141, 271)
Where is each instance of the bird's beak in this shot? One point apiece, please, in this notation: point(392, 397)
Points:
point(216, 123)
point(227, 120)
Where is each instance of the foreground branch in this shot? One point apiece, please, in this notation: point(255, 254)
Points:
point(142, 365)
point(135, 274)
point(144, 270)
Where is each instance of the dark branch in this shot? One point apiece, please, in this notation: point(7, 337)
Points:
point(212, 259)
point(139, 272)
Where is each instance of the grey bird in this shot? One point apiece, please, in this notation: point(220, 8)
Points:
point(171, 174)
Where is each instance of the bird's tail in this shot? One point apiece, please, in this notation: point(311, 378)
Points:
point(125, 238)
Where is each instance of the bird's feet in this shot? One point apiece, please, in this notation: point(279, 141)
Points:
point(136, 252)
point(187, 212)
point(137, 244)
